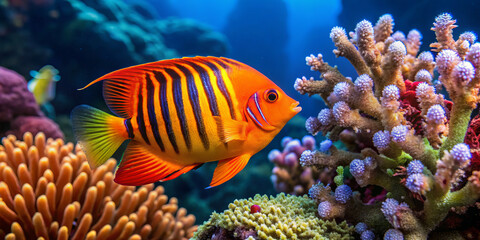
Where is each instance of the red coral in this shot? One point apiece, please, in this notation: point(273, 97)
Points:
point(472, 138)
point(410, 106)
point(255, 208)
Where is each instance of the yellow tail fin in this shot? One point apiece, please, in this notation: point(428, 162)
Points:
point(98, 133)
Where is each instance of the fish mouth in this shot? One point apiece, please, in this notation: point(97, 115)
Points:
point(295, 107)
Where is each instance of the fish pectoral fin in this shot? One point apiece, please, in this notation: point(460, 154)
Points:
point(140, 166)
point(231, 129)
point(228, 168)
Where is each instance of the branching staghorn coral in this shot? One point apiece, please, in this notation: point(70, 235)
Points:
point(415, 137)
point(48, 191)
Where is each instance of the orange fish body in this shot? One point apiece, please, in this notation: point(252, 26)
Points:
point(181, 113)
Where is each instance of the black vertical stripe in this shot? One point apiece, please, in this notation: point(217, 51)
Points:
point(212, 100)
point(151, 112)
point(164, 105)
point(128, 126)
point(230, 61)
point(178, 100)
point(195, 103)
point(140, 119)
point(221, 84)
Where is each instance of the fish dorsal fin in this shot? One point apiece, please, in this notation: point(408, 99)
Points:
point(231, 129)
point(119, 90)
point(228, 168)
point(121, 87)
point(140, 166)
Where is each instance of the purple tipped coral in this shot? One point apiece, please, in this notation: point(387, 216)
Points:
point(461, 153)
point(399, 133)
point(364, 83)
point(464, 72)
point(402, 137)
point(367, 235)
point(436, 114)
point(292, 173)
point(416, 183)
point(415, 166)
point(381, 139)
point(325, 116)
point(343, 193)
point(393, 234)
point(361, 227)
point(357, 168)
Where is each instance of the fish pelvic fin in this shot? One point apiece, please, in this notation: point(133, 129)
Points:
point(228, 168)
point(141, 166)
point(98, 133)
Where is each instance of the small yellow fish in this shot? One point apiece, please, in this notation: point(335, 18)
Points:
point(181, 113)
point(43, 84)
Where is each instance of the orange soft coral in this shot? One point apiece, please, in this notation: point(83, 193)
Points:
point(48, 191)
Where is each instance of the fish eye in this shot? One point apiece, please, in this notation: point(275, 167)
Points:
point(271, 95)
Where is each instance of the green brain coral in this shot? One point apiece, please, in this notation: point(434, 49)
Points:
point(281, 217)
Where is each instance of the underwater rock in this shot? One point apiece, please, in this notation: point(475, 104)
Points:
point(19, 112)
point(85, 38)
point(280, 217)
point(189, 37)
point(55, 195)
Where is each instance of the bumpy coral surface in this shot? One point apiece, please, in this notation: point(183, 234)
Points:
point(48, 191)
point(412, 137)
point(280, 217)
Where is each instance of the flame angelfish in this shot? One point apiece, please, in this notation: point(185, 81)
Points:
point(181, 113)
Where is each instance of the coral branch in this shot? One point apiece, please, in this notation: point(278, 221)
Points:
point(396, 131)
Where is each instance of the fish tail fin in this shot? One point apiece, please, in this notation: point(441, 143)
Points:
point(98, 133)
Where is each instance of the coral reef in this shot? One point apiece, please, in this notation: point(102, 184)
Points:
point(280, 217)
point(47, 190)
point(412, 137)
point(19, 112)
point(288, 176)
